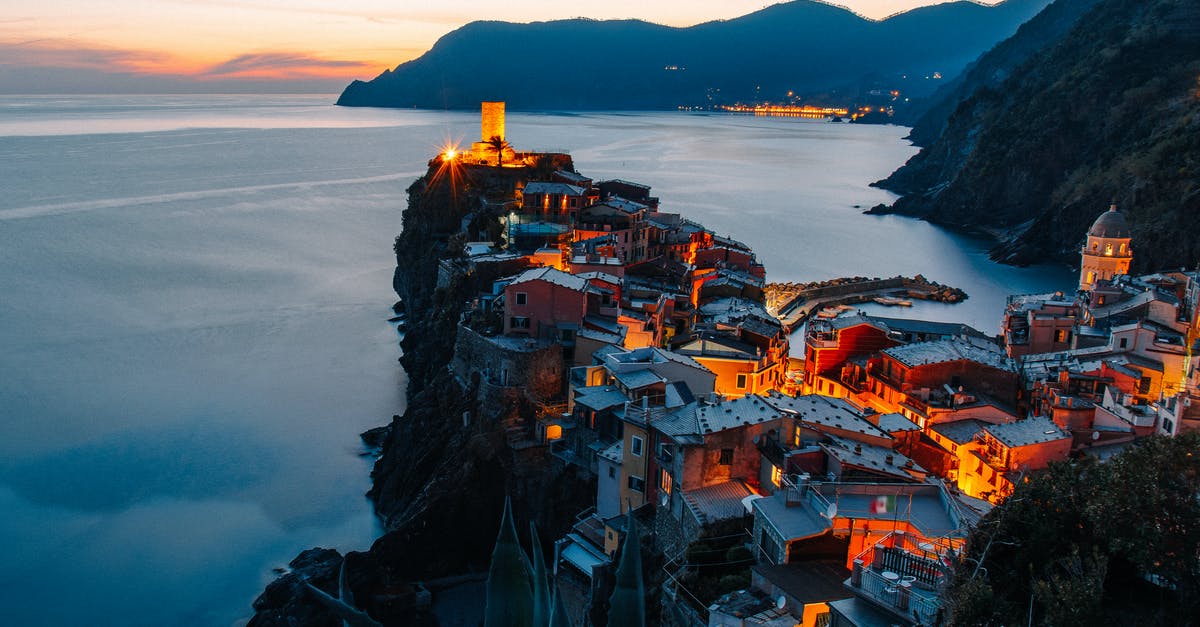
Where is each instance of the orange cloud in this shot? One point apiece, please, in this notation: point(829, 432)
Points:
point(69, 54)
point(59, 53)
point(284, 65)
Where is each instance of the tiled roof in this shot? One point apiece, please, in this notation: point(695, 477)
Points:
point(546, 187)
point(600, 276)
point(904, 325)
point(747, 410)
point(572, 176)
point(732, 309)
point(871, 457)
point(893, 423)
point(959, 431)
point(721, 501)
point(552, 275)
point(599, 397)
point(824, 411)
point(638, 378)
point(1037, 430)
point(942, 351)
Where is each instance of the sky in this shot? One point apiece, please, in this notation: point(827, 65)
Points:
point(127, 46)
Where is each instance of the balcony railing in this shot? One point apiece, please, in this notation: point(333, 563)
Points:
point(897, 594)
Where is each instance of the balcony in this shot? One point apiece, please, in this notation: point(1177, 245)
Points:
point(904, 574)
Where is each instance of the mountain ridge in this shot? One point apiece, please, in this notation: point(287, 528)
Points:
point(802, 46)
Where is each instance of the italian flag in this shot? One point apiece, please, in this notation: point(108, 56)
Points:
point(883, 504)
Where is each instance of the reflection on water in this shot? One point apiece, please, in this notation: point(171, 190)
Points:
point(195, 300)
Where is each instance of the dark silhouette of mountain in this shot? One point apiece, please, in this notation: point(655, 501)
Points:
point(800, 46)
point(1111, 110)
point(929, 115)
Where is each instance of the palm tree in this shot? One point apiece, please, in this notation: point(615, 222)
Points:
point(497, 145)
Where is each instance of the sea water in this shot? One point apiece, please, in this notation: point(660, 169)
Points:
point(194, 294)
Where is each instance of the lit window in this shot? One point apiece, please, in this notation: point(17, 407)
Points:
point(664, 482)
point(1108, 249)
point(726, 458)
point(776, 476)
point(635, 446)
point(522, 298)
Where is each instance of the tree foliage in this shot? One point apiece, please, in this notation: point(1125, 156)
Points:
point(1083, 543)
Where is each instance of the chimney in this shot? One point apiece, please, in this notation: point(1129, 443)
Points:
point(888, 460)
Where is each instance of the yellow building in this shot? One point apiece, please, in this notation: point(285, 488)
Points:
point(1108, 251)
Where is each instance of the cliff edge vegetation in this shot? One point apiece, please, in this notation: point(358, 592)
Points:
point(1109, 111)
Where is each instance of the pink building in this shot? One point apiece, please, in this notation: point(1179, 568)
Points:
point(543, 302)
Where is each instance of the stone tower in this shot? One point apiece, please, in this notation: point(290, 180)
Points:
point(491, 122)
point(1107, 252)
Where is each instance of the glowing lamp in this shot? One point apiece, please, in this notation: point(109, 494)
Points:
point(450, 154)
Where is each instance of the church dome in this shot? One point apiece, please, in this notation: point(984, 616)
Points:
point(1110, 224)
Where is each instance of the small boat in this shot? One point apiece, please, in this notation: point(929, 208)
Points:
point(891, 301)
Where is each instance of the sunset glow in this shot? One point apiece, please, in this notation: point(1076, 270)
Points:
point(324, 43)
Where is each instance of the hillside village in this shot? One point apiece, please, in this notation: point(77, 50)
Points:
point(634, 347)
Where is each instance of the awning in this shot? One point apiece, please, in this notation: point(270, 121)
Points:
point(578, 554)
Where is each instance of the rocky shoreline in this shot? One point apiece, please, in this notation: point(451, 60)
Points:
point(445, 465)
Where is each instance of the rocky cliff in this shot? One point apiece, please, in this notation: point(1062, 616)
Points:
point(446, 464)
point(1109, 110)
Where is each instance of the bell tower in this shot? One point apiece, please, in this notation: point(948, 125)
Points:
point(1107, 252)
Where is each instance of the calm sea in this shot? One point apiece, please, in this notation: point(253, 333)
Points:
point(194, 303)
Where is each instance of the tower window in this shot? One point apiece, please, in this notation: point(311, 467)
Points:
point(1108, 249)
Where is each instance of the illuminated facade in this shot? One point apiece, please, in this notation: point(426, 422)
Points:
point(491, 122)
point(1108, 251)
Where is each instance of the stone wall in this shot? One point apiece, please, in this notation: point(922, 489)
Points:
point(535, 367)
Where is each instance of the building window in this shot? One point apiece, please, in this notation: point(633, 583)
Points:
point(726, 457)
point(1108, 250)
point(1060, 335)
point(1144, 385)
point(777, 476)
point(741, 382)
point(612, 472)
point(1124, 342)
point(1091, 277)
point(664, 482)
point(635, 445)
point(637, 484)
point(522, 298)
point(519, 322)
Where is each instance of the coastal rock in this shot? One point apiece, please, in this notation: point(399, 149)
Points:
point(440, 482)
point(286, 602)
